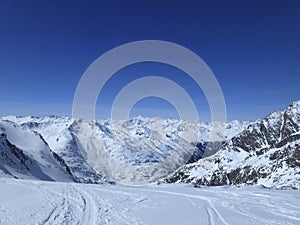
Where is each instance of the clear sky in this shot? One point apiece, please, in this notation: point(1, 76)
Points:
point(253, 48)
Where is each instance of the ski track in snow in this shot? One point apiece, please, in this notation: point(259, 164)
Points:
point(36, 202)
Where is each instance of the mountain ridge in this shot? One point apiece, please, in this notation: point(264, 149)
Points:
point(138, 141)
point(263, 152)
point(266, 153)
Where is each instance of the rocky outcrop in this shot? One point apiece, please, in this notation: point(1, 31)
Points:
point(267, 153)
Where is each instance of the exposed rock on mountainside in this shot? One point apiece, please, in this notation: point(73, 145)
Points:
point(25, 154)
point(267, 153)
point(58, 133)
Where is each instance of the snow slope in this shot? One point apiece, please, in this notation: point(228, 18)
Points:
point(25, 154)
point(36, 202)
point(56, 131)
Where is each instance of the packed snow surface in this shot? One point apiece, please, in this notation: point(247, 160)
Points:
point(40, 202)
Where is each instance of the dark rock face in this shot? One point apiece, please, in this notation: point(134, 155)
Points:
point(205, 149)
point(267, 153)
point(18, 163)
point(12, 156)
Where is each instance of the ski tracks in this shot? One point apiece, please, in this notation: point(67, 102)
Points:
point(71, 203)
point(89, 212)
point(77, 206)
point(214, 217)
point(68, 204)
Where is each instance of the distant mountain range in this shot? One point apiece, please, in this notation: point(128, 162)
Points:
point(264, 152)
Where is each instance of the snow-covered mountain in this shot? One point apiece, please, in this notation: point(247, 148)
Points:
point(57, 133)
point(123, 151)
point(25, 154)
point(266, 153)
point(143, 150)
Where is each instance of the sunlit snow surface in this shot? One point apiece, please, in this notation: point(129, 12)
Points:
point(37, 202)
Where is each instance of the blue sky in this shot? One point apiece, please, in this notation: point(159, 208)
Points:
point(252, 47)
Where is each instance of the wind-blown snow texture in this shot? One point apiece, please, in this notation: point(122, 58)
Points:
point(267, 153)
point(36, 202)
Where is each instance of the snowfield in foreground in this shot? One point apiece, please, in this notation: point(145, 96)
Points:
point(39, 202)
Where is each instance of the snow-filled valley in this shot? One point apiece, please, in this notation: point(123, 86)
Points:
point(40, 202)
